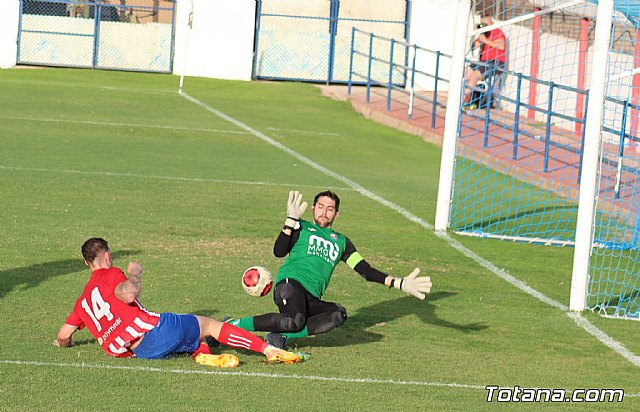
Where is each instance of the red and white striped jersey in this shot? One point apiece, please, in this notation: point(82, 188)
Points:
point(111, 321)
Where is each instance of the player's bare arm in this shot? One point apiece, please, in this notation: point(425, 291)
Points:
point(64, 338)
point(129, 290)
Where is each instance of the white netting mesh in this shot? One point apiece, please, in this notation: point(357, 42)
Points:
point(531, 135)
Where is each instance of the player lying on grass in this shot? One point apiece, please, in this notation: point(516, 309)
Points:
point(109, 308)
point(314, 250)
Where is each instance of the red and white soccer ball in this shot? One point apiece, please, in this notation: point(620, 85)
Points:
point(257, 281)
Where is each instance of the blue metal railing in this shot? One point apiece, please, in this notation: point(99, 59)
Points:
point(548, 112)
point(313, 46)
point(408, 71)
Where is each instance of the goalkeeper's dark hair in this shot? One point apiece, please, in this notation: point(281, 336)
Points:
point(93, 247)
point(329, 194)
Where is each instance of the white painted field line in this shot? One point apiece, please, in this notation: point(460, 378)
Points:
point(244, 374)
point(260, 375)
point(115, 124)
point(579, 319)
point(309, 162)
point(303, 132)
point(174, 178)
point(500, 272)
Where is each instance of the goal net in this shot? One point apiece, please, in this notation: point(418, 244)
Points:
point(614, 271)
point(523, 148)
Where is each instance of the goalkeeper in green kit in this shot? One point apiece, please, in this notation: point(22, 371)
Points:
point(314, 250)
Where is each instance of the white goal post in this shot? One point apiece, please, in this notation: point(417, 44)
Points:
point(586, 205)
point(580, 209)
point(186, 47)
point(453, 99)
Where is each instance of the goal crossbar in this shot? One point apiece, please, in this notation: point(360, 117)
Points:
point(526, 17)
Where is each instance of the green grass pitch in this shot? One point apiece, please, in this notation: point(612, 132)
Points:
point(197, 193)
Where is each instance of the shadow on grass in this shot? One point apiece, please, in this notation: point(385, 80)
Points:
point(356, 329)
point(31, 276)
point(88, 341)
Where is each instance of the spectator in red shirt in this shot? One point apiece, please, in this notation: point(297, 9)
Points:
point(493, 55)
point(109, 308)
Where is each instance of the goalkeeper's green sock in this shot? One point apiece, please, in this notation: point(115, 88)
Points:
point(303, 333)
point(243, 323)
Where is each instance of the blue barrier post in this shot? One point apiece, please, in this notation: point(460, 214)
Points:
point(173, 34)
point(636, 229)
point(487, 113)
point(393, 42)
point(96, 34)
point(369, 68)
point(353, 42)
point(333, 32)
point(485, 129)
point(547, 133)
point(516, 121)
point(406, 38)
point(405, 65)
point(19, 31)
point(435, 90)
point(256, 39)
point(623, 128)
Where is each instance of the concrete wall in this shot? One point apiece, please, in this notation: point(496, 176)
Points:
point(9, 15)
point(432, 27)
point(220, 44)
point(116, 50)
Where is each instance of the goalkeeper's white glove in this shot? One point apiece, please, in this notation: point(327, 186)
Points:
point(413, 285)
point(295, 209)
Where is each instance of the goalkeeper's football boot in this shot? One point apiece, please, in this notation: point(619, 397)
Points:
point(224, 360)
point(277, 355)
point(277, 339)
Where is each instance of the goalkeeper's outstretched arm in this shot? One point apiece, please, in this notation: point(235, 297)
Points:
point(411, 285)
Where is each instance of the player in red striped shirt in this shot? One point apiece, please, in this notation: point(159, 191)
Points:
point(110, 309)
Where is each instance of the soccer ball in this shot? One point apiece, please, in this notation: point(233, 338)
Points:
point(257, 281)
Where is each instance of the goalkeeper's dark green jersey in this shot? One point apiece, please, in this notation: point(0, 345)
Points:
point(314, 257)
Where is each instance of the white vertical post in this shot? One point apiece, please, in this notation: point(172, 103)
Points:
point(592, 142)
point(186, 47)
point(447, 161)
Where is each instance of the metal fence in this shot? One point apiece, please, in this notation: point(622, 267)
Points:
point(311, 40)
point(131, 35)
point(378, 61)
point(390, 63)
